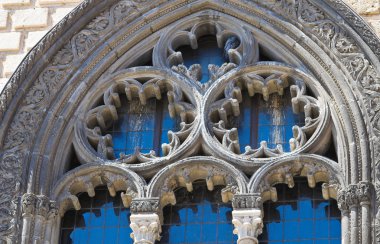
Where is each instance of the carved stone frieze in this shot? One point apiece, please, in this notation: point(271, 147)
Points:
point(145, 205)
point(247, 201)
point(146, 228)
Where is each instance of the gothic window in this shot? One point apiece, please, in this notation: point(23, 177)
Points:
point(301, 215)
point(101, 219)
point(270, 121)
point(199, 216)
point(142, 126)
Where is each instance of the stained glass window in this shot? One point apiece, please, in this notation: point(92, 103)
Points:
point(102, 219)
point(198, 217)
point(301, 215)
point(142, 126)
point(207, 53)
point(269, 121)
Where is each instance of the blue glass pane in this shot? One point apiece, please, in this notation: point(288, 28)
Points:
point(206, 53)
point(79, 236)
point(198, 217)
point(269, 121)
point(275, 231)
point(301, 216)
point(143, 126)
point(101, 220)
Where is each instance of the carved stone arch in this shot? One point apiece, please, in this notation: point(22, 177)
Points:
point(182, 173)
point(87, 177)
point(323, 38)
point(315, 168)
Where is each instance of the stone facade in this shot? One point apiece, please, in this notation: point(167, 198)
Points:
point(22, 24)
point(48, 109)
point(18, 33)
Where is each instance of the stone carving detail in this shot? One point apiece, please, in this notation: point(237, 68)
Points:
point(274, 83)
point(38, 205)
point(247, 201)
point(100, 118)
point(145, 205)
point(183, 177)
point(28, 117)
point(146, 228)
point(354, 195)
point(248, 225)
point(30, 113)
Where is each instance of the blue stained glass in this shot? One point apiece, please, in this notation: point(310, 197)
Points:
point(209, 233)
point(176, 234)
point(290, 211)
point(305, 220)
point(274, 231)
point(291, 230)
point(304, 209)
point(207, 53)
point(321, 208)
point(111, 234)
point(96, 235)
point(198, 217)
point(101, 220)
point(143, 126)
point(269, 121)
point(124, 236)
point(79, 236)
point(194, 215)
point(335, 231)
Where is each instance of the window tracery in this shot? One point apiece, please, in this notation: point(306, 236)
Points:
point(196, 135)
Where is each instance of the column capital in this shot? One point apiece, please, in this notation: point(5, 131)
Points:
point(248, 225)
point(247, 201)
point(146, 228)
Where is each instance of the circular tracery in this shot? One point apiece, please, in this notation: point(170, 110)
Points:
point(269, 84)
point(133, 116)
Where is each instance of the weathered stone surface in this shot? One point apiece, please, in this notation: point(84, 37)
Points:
point(33, 38)
point(10, 41)
point(366, 7)
point(30, 18)
point(3, 19)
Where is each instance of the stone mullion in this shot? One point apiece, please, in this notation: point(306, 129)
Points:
point(247, 217)
point(145, 220)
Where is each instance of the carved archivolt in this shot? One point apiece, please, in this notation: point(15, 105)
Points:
point(87, 177)
point(281, 171)
point(185, 172)
point(84, 57)
point(265, 78)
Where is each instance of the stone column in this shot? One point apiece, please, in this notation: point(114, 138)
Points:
point(364, 192)
point(145, 220)
point(353, 203)
point(52, 219)
point(344, 209)
point(247, 217)
point(28, 202)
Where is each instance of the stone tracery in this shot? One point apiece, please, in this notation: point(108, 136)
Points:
point(359, 69)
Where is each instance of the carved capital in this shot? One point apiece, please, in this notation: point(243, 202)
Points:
point(42, 206)
point(342, 200)
point(248, 225)
point(364, 190)
point(28, 202)
point(247, 201)
point(146, 228)
point(145, 205)
point(53, 210)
